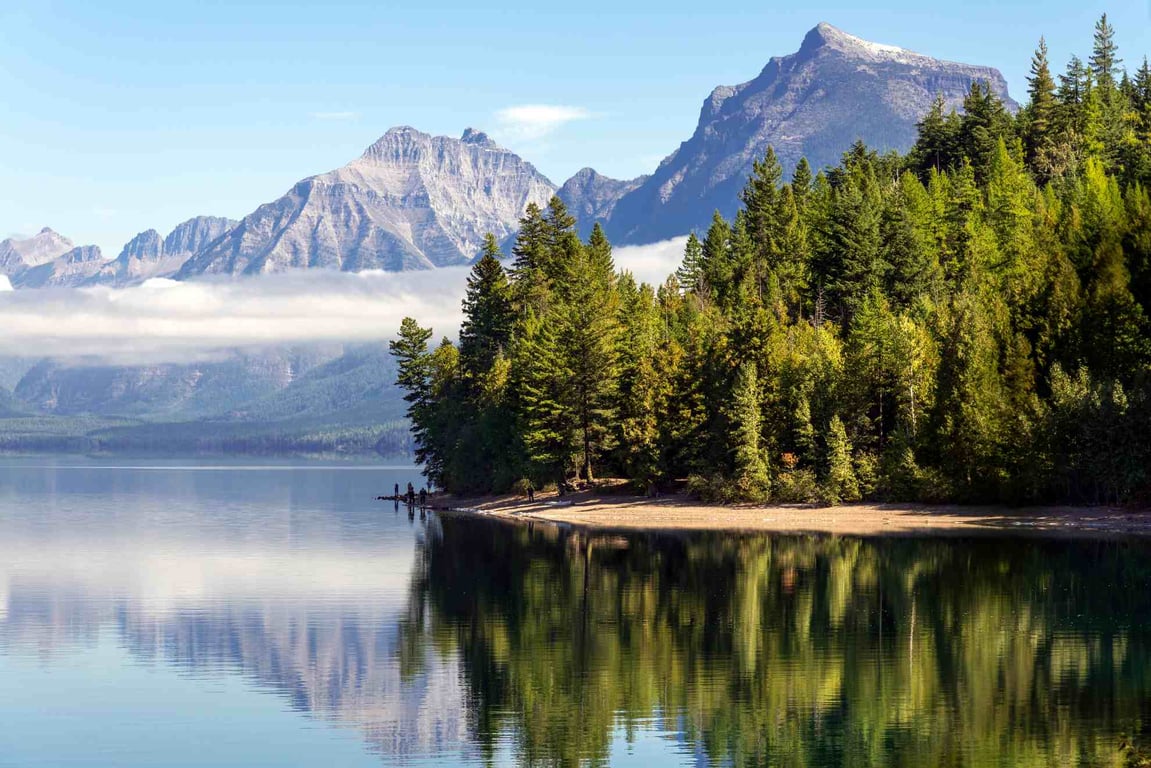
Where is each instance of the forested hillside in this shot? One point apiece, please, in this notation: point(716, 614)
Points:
point(966, 322)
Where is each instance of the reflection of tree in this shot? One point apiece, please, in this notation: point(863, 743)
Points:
point(791, 651)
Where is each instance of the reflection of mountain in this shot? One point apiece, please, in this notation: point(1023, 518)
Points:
point(337, 665)
point(231, 572)
point(795, 651)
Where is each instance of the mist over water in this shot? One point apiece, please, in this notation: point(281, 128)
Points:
point(183, 613)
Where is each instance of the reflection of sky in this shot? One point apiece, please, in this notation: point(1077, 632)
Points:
point(140, 605)
point(190, 615)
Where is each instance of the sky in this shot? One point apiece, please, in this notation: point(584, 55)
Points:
point(120, 115)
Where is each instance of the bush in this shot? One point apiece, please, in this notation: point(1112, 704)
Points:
point(797, 486)
point(721, 490)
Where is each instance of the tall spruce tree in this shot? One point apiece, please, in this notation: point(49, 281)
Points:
point(1040, 114)
point(1105, 61)
point(750, 473)
point(690, 272)
point(589, 340)
point(488, 317)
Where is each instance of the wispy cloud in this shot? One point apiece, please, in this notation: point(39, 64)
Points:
point(168, 321)
point(101, 212)
point(534, 121)
point(334, 115)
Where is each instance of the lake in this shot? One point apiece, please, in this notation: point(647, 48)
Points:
point(190, 614)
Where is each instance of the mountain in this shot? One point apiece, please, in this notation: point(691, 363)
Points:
point(814, 103)
point(592, 197)
point(167, 391)
point(285, 400)
point(74, 267)
point(18, 254)
point(147, 256)
point(411, 201)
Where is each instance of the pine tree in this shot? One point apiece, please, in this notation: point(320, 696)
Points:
point(841, 483)
point(759, 198)
point(718, 271)
point(1105, 61)
point(1142, 88)
point(1040, 114)
point(414, 376)
point(641, 398)
point(543, 379)
point(599, 255)
point(488, 317)
point(589, 340)
point(530, 250)
point(690, 272)
point(936, 147)
point(984, 124)
point(790, 261)
point(750, 474)
point(801, 181)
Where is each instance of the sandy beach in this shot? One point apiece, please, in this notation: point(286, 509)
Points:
point(674, 512)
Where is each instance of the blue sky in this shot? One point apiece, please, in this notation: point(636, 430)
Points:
point(122, 115)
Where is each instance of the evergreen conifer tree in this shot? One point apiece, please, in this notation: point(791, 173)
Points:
point(488, 316)
point(750, 473)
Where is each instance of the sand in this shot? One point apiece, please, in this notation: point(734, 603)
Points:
point(667, 513)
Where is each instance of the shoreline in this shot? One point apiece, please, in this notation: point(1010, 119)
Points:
point(677, 513)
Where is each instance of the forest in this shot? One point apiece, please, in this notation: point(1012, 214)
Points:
point(966, 322)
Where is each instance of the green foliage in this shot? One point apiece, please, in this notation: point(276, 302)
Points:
point(749, 467)
point(891, 328)
point(841, 483)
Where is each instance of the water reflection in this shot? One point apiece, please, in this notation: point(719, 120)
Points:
point(294, 581)
point(464, 641)
point(793, 650)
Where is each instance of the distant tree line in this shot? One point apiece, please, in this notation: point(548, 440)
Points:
point(966, 322)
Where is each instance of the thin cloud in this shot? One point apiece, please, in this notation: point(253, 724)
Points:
point(334, 115)
point(534, 121)
point(164, 321)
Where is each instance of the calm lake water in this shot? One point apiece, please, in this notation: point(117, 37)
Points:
point(181, 614)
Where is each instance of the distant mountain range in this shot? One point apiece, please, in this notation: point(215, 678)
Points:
point(316, 400)
point(414, 201)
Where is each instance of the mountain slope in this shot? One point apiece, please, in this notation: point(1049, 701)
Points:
point(19, 254)
point(76, 266)
point(411, 201)
point(592, 197)
point(814, 103)
point(146, 256)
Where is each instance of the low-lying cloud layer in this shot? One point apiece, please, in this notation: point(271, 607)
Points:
point(168, 321)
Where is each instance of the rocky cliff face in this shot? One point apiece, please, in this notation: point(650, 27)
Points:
point(74, 267)
point(17, 255)
point(147, 255)
point(411, 201)
point(814, 103)
point(591, 197)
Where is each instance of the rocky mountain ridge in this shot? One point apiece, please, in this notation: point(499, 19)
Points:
point(815, 103)
point(411, 201)
point(416, 201)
